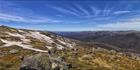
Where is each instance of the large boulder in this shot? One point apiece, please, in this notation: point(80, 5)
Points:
point(43, 61)
point(36, 62)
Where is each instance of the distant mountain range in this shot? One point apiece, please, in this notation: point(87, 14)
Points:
point(128, 41)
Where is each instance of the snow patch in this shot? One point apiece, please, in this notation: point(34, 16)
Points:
point(49, 47)
point(23, 38)
point(40, 36)
point(9, 43)
point(24, 46)
point(60, 47)
point(64, 43)
point(61, 42)
point(26, 40)
point(16, 35)
point(69, 45)
point(21, 31)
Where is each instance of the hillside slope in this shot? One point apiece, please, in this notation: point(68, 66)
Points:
point(22, 49)
point(128, 41)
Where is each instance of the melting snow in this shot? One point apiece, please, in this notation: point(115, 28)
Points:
point(49, 47)
point(26, 40)
point(21, 31)
point(67, 44)
point(40, 36)
point(16, 35)
point(60, 47)
point(10, 43)
point(70, 45)
point(36, 35)
point(23, 38)
point(61, 41)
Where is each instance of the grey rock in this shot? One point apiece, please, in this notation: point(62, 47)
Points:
point(14, 51)
point(60, 64)
point(1, 54)
point(43, 61)
point(36, 62)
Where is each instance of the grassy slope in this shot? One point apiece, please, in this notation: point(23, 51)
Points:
point(81, 59)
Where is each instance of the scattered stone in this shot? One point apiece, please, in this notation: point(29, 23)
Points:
point(87, 57)
point(74, 49)
point(99, 49)
point(1, 54)
point(60, 58)
point(112, 51)
point(93, 50)
point(14, 51)
point(69, 66)
point(113, 58)
point(55, 66)
point(135, 56)
point(120, 53)
point(21, 58)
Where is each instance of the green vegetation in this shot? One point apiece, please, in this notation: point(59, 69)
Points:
point(99, 60)
point(82, 57)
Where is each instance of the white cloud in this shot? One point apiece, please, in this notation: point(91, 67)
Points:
point(12, 7)
point(132, 24)
point(65, 11)
point(106, 11)
point(76, 10)
point(10, 17)
point(7, 17)
point(95, 10)
point(82, 9)
point(121, 12)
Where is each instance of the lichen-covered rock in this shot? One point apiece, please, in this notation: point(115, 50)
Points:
point(60, 64)
point(36, 62)
point(43, 61)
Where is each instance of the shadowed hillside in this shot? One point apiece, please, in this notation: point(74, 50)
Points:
point(126, 40)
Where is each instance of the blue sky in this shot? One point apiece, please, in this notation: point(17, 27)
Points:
point(71, 15)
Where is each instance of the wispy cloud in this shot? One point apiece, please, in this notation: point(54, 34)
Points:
point(95, 10)
point(121, 12)
point(131, 24)
point(82, 9)
point(10, 17)
point(106, 12)
point(12, 7)
point(65, 11)
point(7, 17)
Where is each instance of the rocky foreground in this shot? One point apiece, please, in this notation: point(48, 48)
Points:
point(38, 50)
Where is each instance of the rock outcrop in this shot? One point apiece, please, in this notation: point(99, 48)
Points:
point(43, 61)
point(36, 62)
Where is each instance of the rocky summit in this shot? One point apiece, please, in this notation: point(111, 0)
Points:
point(22, 49)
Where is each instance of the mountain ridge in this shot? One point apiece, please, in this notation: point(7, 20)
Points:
point(127, 40)
point(22, 49)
